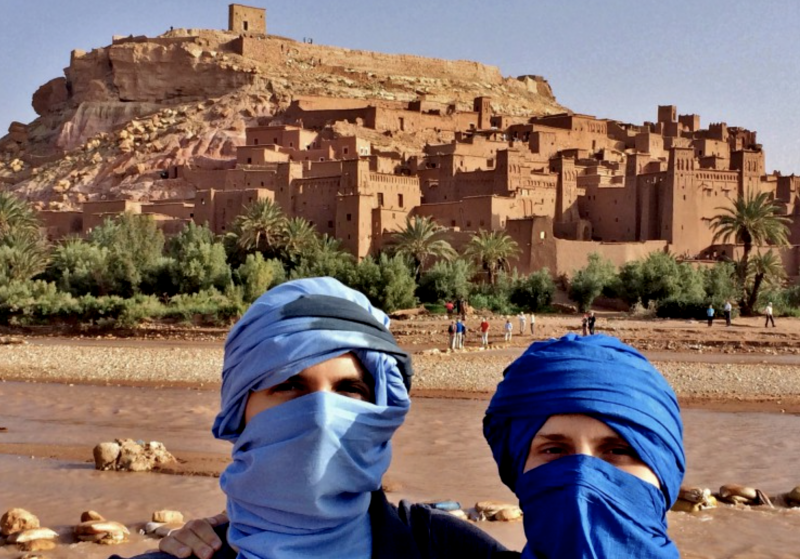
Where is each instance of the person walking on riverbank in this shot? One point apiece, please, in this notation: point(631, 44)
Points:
point(727, 309)
point(710, 314)
point(509, 329)
point(533, 324)
point(521, 318)
point(768, 315)
point(452, 331)
point(592, 320)
point(484, 333)
point(585, 325)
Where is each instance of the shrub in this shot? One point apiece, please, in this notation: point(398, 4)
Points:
point(257, 275)
point(388, 282)
point(588, 283)
point(446, 281)
point(534, 293)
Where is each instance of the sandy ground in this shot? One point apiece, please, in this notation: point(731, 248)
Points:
point(743, 368)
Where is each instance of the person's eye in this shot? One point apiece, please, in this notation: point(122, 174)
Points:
point(286, 386)
point(358, 390)
point(553, 451)
point(620, 452)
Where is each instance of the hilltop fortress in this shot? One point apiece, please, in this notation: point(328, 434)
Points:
point(355, 142)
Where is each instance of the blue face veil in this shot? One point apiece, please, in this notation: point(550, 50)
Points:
point(302, 472)
point(580, 506)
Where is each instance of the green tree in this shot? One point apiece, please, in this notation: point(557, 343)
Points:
point(259, 227)
point(78, 267)
point(386, 281)
point(135, 246)
point(23, 248)
point(492, 250)
point(446, 281)
point(326, 258)
point(720, 283)
point(297, 238)
point(752, 221)
point(534, 292)
point(21, 257)
point(197, 260)
point(765, 269)
point(419, 241)
point(588, 283)
point(17, 219)
point(257, 275)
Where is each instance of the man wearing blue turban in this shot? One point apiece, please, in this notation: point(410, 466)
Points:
point(588, 435)
point(313, 388)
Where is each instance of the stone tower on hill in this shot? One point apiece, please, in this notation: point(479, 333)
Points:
point(247, 19)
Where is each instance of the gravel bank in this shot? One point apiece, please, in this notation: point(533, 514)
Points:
point(461, 372)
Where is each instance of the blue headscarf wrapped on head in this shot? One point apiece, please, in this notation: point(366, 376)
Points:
point(580, 506)
point(302, 471)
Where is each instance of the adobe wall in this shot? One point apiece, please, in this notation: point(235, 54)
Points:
point(203, 180)
point(178, 210)
point(354, 224)
point(246, 19)
point(60, 224)
point(228, 204)
point(574, 255)
point(534, 236)
point(316, 201)
point(613, 212)
point(276, 50)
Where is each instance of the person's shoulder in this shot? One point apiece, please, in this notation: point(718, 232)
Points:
point(440, 534)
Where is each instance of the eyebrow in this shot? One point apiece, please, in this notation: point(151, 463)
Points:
point(558, 437)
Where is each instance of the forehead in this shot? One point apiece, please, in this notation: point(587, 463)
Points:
point(576, 426)
point(343, 366)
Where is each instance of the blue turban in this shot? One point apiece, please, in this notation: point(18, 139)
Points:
point(603, 378)
point(302, 471)
point(297, 325)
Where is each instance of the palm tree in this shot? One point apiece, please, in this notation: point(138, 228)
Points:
point(298, 237)
point(420, 241)
point(492, 250)
point(23, 256)
point(752, 221)
point(259, 228)
point(766, 267)
point(16, 217)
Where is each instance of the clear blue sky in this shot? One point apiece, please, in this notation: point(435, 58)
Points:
point(734, 61)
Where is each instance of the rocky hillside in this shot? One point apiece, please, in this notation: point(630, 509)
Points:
point(125, 112)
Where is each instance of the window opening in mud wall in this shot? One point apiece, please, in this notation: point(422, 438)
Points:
point(244, 25)
point(380, 199)
point(400, 200)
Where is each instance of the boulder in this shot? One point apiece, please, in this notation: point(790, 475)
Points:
point(105, 532)
point(90, 515)
point(17, 520)
point(167, 517)
point(105, 456)
point(132, 456)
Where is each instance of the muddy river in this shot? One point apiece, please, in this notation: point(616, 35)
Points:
point(439, 454)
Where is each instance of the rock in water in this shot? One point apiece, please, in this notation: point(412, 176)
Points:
point(132, 456)
point(91, 515)
point(104, 532)
point(17, 520)
point(105, 456)
point(167, 517)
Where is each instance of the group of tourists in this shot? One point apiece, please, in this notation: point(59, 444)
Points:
point(457, 330)
point(727, 311)
point(314, 386)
